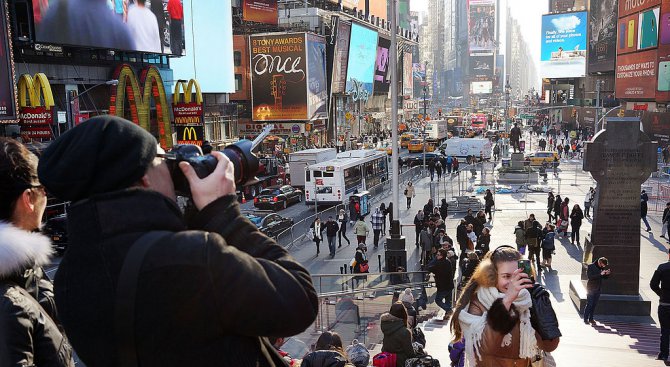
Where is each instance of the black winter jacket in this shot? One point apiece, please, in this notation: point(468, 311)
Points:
point(205, 294)
point(397, 338)
point(29, 333)
point(595, 278)
point(660, 282)
point(324, 358)
point(444, 274)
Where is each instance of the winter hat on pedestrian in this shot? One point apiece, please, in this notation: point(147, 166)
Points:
point(103, 154)
point(407, 296)
point(358, 354)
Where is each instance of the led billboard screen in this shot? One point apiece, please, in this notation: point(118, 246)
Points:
point(361, 63)
point(7, 92)
point(481, 67)
point(627, 31)
point(481, 87)
point(382, 76)
point(407, 78)
point(317, 94)
point(628, 7)
point(338, 53)
point(278, 77)
point(481, 26)
point(603, 34)
point(647, 31)
point(157, 27)
point(563, 52)
point(262, 11)
point(636, 75)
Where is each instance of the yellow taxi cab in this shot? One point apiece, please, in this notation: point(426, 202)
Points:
point(537, 158)
point(405, 139)
point(416, 145)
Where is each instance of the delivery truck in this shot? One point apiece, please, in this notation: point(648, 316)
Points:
point(464, 147)
point(300, 160)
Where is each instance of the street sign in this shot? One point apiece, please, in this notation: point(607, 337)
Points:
point(527, 116)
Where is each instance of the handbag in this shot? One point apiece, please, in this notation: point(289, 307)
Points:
point(423, 361)
point(542, 314)
point(418, 336)
point(364, 267)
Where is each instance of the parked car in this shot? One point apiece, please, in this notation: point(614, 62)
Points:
point(56, 229)
point(274, 197)
point(271, 224)
point(413, 160)
point(537, 158)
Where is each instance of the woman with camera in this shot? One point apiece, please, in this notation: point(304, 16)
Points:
point(493, 314)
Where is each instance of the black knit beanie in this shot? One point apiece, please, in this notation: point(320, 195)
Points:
point(103, 154)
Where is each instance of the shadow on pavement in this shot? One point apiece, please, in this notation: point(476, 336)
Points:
point(642, 331)
point(551, 282)
point(658, 244)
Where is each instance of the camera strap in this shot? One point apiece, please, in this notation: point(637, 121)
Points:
point(126, 291)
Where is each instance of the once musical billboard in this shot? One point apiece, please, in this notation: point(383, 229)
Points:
point(636, 75)
point(261, 11)
point(563, 45)
point(361, 63)
point(382, 75)
point(603, 35)
point(278, 77)
point(112, 24)
point(481, 26)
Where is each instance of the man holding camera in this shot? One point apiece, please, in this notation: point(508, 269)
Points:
point(139, 284)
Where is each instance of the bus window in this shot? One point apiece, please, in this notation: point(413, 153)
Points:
point(327, 174)
point(317, 173)
point(352, 177)
point(324, 190)
point(307, 176)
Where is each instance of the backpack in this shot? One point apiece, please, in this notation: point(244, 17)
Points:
point(418, 336)
point(384, 359)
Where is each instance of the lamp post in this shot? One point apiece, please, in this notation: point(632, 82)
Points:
point(72, 99)
point(508, 89)
point(425, 119)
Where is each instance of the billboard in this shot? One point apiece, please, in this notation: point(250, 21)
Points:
point(112, 24)
point(7, 91)
point(407, 79)
point(361, 62)
point(628, 7)
point(374, 7)
point(481, 87)
point(563, 52)
point(636, 75)
point(481, 67)
point(627, 30)
point(317, 93)
point(338, 46)
point(419, 70)
point(278, 77)
point(261, 11)
point(382, 76)
point(481, 26)
point(603, 34)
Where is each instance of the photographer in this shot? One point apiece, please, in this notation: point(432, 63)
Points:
point(208, 289)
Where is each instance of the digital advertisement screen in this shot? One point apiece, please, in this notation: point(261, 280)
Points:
point(278, 77)
point(338, 54)
point(481, 67)
point(7, 92)
point(636, 75)
point(419, 71)
point(603, 35)
point(627, 34)
point(481, 26)
point(154, 26)
point(563, 52)
point(361, 63)
point(647, 31)
point(407, 78)
point(481, 87)
point(261, 11)
point(628, 7)
point(382, 76)
point(317, 94)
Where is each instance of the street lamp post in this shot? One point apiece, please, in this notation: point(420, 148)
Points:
point(425, 119)
point(71, 100)
point(508, 88)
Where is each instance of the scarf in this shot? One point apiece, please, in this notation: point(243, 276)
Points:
point(473, 325)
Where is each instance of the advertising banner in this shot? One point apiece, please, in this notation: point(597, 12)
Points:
point(636, 75)
point(278, 77)
point(36, 122)
point(628, 7)
point(280, 128)
point(481, 26)
point(261, 11)
point(407, 79)
point(189, 123)
point(563, 52)
point(374, 7)
point(361, 62)
point(317, 94)
point(7, 92)
point(663, 87)
point(419, 70)
point(627, 39)
point(382, 76)
point(338, 47)
point(647, 34)
point(481, 67)
point(481, 87)
point(112, 24)
point(603, 22)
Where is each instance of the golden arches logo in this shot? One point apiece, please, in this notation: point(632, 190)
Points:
point(140, 100)
point(34, 90)
point(187, 89)
point(189, 134)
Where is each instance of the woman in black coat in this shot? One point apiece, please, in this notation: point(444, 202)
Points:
point(488, 202)
point(550, 205)
point(444, 209)
point(557, 208)
point(576, 221)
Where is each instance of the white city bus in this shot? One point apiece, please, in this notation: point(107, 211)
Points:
point(331, 182)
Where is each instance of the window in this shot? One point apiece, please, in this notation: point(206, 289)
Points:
point(307, 176)
point(327, 174)
point(317, 173)
point(238, 82)
point(237, 58)
point(352, 178)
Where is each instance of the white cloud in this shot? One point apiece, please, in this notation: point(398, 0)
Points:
point(567, 23)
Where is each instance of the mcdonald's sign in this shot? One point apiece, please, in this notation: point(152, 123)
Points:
point(36, 104)
point(188, 113)
point(139, 100)
point(190, 134)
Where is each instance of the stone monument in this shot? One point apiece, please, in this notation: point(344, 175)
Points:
point(620, 158)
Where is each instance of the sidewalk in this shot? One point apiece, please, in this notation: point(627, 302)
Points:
point(613, 341)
